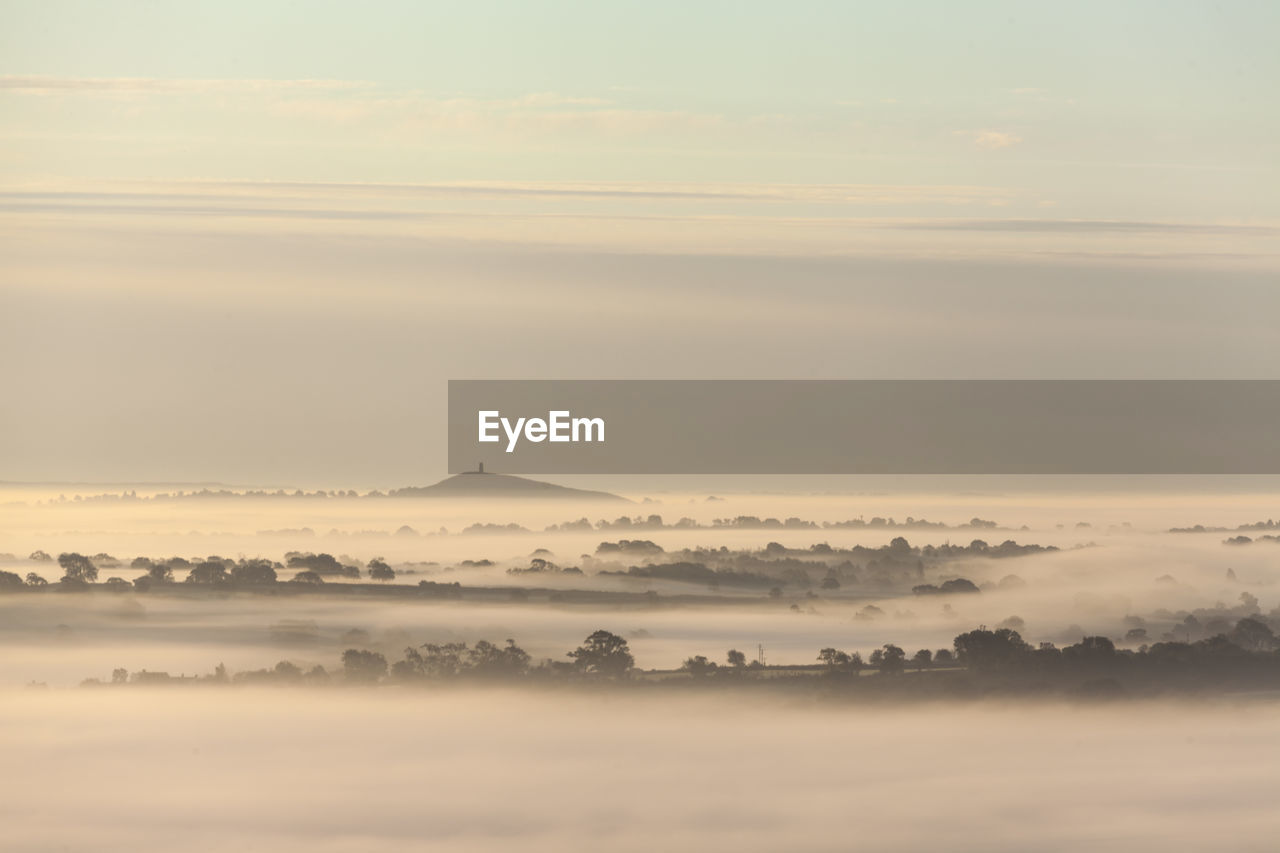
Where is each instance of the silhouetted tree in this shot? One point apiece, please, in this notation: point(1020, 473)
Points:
point(603, 653)
point(892, 660)
point(287, 672)
point(34, 579)
point(380, 571)
point(983, 649)
point(308, 577)
point(835, 659)
point(490, 661)
point(208, 573)
point(736, 659)
point(1253, 634)
point(159, 572)
point(77, 568)
point(698, 666)
point(363, 667)
point(1090, 651)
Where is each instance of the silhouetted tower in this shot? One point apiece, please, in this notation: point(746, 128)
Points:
point(481, 471)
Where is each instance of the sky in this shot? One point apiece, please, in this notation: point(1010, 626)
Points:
point(251, 241)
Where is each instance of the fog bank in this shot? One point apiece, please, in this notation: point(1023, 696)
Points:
point(475, 770)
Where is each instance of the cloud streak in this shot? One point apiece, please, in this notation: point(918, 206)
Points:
point(48, 85)
point(991, 139)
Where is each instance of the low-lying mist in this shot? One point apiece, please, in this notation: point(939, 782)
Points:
point(479, 770)
point(1134, 584)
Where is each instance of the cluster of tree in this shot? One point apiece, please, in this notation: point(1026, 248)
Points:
point(751, 522)
point(638, 547)
point(79, 571)
point(489, 528)
point(541, 565)
point(1247, 656)
point(1245, 540)
point(206, 493)
point(894, 565)
point(887, 660)
point(435, 589)
point(1269, 524)
point(324, 565)
point(602, 655)
point(693, 573)
point(946, 587)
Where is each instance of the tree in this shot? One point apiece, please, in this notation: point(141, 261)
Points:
point(308, 577)
point(698, 666)
point(40, 557)
point(892, 660)
point(998, 649)
point(360, 666)
point(442, 660)
point(77, 568)
point(287, 672)
point(736, 659)
point(209, 573)
point(1090, 651)
point(159, 573)
point(10, 581)
point(1253, 634)
point(34, 579)
point(380, 571)
point(836, 660)
point(922, 659)
point(491, 661)
point(603, 653)
point(250, 572)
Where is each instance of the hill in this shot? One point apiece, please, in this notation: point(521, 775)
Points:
point(481, 484)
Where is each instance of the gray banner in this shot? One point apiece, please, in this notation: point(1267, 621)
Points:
point(865, 426)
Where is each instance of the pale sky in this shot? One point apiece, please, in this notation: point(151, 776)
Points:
point(250, 241)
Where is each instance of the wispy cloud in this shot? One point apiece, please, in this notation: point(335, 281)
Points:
point(1087, 226)
point(749, 219)
point(47, 85)
point(271, 192)
point(991, 139)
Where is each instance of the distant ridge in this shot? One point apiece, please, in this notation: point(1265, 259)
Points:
point(481, 484)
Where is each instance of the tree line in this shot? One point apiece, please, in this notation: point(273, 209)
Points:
point(981, 660)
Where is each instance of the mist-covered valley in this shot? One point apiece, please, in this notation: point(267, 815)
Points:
point(678, 575)
point(486, 769)
point(338, 672)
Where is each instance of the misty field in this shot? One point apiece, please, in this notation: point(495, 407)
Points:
point(495, 769)
point(769, 750)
